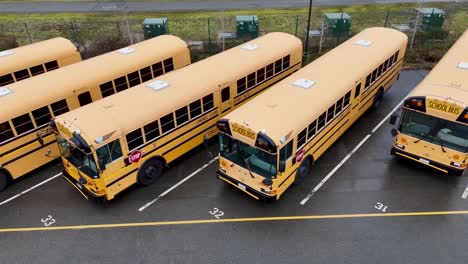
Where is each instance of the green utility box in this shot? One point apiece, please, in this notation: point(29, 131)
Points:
point(247, 26)
point(431, 18)
point(153, 27)
point(337, 23)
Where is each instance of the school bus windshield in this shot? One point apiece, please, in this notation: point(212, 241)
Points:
point(248, 157)
point(435, 130)
point(81, 160)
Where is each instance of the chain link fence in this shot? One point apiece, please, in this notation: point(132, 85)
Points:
point(205, 34)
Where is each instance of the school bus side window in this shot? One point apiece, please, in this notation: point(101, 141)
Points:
point(59, 107)
point(42, 116)
point(285, 154)
point(134, 139)
point(109, 153)
point(6, 79)
point(5, 132)
point(23, 124)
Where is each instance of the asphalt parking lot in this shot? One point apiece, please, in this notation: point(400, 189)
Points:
point(358, 205)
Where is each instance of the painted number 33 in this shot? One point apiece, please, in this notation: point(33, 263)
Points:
point(48, 221)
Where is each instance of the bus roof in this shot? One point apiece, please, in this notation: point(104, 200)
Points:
point(50, 87)
point(449, 78)
point(36, 53)
point(286, 107)
point(131, 109)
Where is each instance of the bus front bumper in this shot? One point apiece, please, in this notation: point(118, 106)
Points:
point(246, 189)
point(87, 194)
point(430, 163)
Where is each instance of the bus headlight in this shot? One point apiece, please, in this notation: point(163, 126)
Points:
point(269, 191)
point(400, 146)
point(455, 164)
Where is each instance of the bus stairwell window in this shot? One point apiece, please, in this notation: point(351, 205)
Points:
point(59, 107)
point(134, 139)
point(208, 103)
point(157, 69)
point(36, 70)
point(168, 65)
point(6, 79)
point(51, 65)
point(241, 85)
point(133, 78)
point(21, 75)
point(23, 124)
point(42, 116)
point(182, 115)
point(195, 109)
point(6, 132)
point(225, 94)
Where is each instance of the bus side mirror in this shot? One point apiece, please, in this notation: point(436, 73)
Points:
point(394, 132)
point(393, 119)
point(39, 138)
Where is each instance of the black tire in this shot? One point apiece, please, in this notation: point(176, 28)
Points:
point(377, 100)
point(150, 172)
point(302, 171)
point(457, 173)
point(4, 180)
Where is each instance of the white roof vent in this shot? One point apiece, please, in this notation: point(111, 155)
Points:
point(363, 42)
point(4, 91)
point(126, 50)
point(304, 83)
point(6, 53)
point(250, 47)
point(463, 65)
point(158, 85)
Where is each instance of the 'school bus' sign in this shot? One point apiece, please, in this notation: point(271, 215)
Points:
point(445, 107)
point(243, 131)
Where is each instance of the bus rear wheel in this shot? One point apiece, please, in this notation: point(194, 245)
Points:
point(4, 180)
point(302, 171)
point(149, 172)
point(377, 100)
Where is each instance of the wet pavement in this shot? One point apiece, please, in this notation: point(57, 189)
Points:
point(367, 212)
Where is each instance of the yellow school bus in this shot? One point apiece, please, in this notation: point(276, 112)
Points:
point(26, 107)
point(433, 128)
point(130, 137)
point(272, 141)
point(34, 59)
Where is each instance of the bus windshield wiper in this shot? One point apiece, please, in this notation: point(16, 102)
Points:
point(423, 137)
point(248, 167)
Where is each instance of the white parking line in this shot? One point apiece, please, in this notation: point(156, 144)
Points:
point(177, 185)
point(465, 193)
point(30, 189)
point(329, 175)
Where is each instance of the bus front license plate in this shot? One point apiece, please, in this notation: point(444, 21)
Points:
point(425, 161)
point(242, 186)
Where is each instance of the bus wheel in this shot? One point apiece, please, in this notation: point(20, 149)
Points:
point(4, 180)
point(377, 100)
point(302, 171)
point(150, 172)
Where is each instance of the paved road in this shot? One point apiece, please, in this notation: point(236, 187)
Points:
point(50, 7)
point(369, 177)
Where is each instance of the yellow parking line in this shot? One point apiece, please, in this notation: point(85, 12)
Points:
point(231, 220)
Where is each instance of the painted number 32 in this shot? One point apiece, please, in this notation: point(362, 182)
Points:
point(216, 213)
point(48, 221)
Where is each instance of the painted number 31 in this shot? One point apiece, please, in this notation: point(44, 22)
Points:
point(216, 213)
point(48, 221)
point(381, 207)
